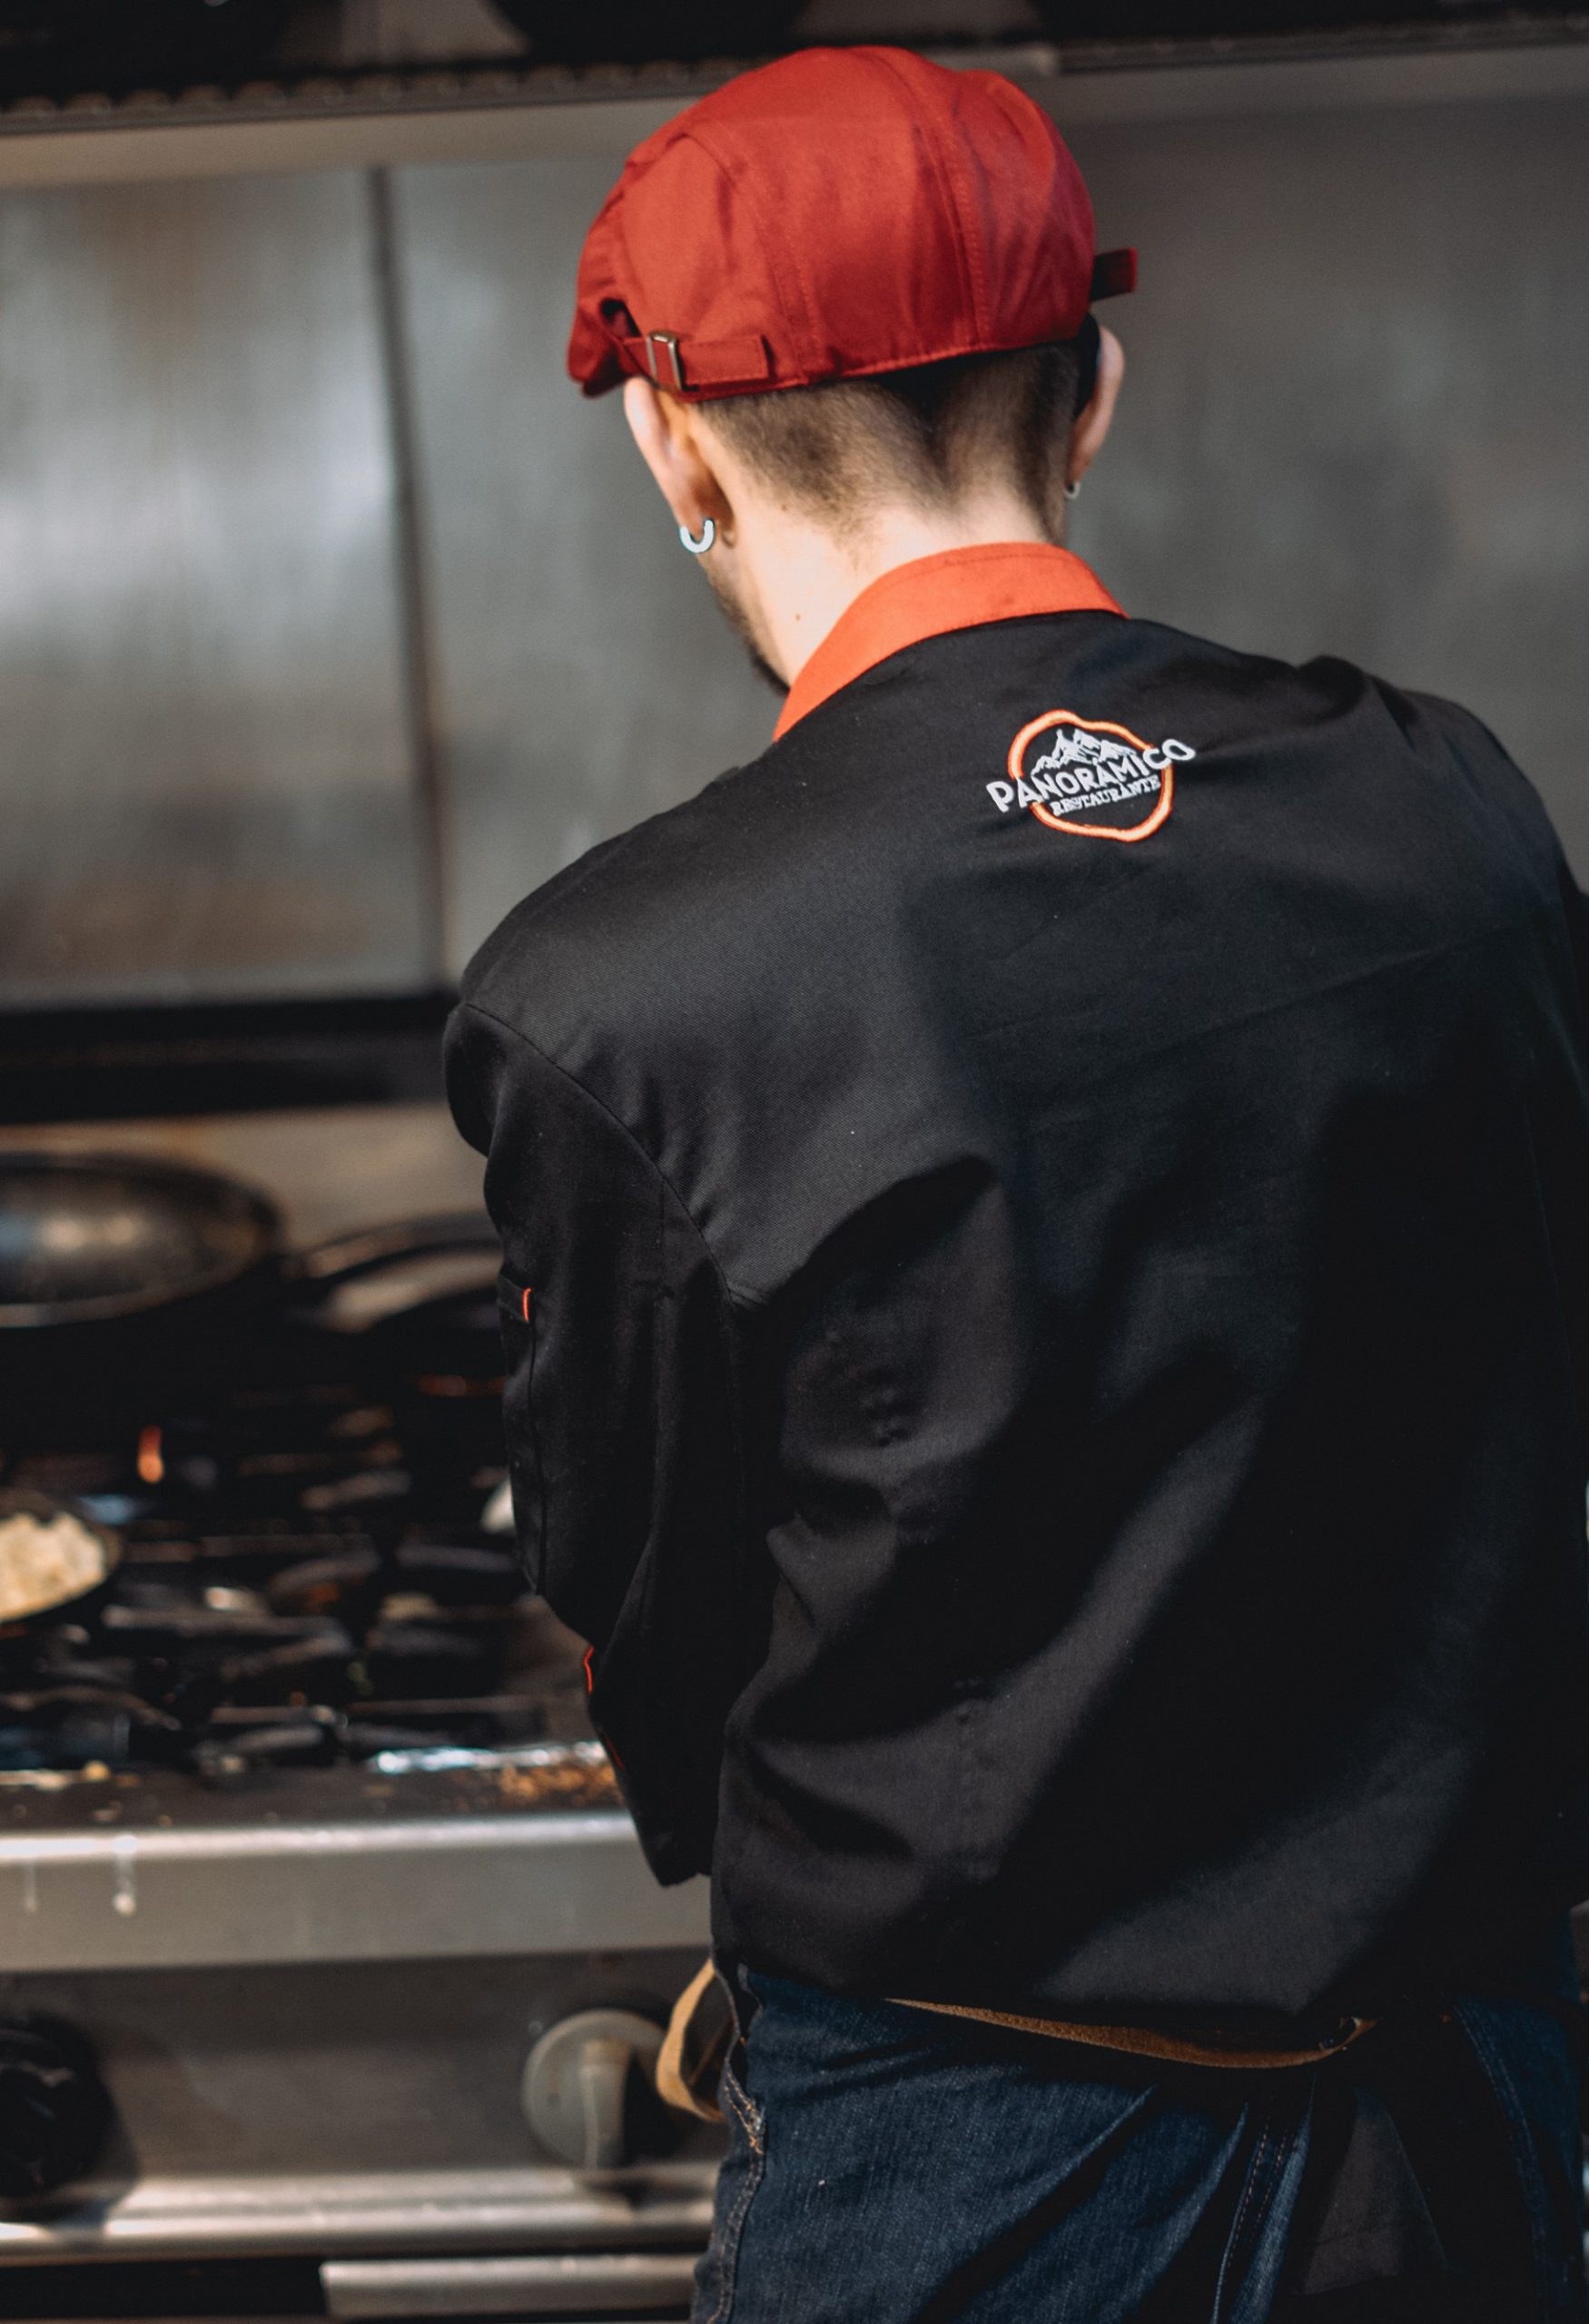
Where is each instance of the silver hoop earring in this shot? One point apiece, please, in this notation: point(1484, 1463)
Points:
point(698, 544)
point(1073, 490)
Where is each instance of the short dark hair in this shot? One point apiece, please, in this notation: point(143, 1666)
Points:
point(926, 434)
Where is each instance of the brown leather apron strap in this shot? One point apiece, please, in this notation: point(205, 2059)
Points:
point(1144, 2042)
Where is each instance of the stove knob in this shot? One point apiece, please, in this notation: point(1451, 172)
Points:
point(54, 2109)
point(589, 2089)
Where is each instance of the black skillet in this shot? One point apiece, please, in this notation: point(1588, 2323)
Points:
point(127, 1283)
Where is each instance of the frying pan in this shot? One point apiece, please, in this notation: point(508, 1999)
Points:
point(78, 1602)
point(126, 1281)
point(94, 1238)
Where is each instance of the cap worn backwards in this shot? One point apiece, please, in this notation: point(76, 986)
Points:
point(837, 213)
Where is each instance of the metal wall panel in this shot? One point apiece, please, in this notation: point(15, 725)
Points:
point(1355, 419)
point(585, 678)
point(204, 758)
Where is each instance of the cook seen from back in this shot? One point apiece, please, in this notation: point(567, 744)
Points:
point(1047, 1303)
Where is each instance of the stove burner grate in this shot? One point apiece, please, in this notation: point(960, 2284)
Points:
point(307, 1578)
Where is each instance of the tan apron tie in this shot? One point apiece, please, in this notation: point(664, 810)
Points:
point(1142, 2041)
point(692, 2055)
point(686, 2069)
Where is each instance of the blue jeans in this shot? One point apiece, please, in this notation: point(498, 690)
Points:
point(885, 2167)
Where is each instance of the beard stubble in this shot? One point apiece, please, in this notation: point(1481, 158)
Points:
point(737, 615)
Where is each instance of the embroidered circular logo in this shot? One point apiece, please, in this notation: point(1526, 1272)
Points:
point(1090, 777)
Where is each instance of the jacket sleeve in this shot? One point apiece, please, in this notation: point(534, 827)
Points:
point(621, 1415)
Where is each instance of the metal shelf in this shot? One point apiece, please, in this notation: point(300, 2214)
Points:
point(493, 85)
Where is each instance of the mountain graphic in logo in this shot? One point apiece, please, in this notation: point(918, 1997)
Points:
point(1090, 777)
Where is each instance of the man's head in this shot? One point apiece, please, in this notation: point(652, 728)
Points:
point(848, 297)
point(814, 491)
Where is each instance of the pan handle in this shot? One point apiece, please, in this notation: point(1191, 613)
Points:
point(345, 1258)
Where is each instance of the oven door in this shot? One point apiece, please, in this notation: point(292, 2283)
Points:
point(392, 2070)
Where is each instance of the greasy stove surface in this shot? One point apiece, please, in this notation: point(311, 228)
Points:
point(310, 1607)
point(559, 1777)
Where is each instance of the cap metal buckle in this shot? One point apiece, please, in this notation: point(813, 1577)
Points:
point(667, 340)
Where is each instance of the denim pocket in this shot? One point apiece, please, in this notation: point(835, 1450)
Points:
point(1524, 2056)
point(738, 2181)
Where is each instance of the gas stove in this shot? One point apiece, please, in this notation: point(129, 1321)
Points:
point(319, 1912)
point(317, 1567)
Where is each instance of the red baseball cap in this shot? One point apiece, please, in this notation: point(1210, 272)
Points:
point(840, 212)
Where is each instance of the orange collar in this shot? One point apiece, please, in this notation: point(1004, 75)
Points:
point(960, 588)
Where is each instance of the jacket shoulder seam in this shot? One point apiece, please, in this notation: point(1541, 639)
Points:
point(736, 1294)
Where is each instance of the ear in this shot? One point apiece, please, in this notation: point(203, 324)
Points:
point(1093, 422)
point(672, 449)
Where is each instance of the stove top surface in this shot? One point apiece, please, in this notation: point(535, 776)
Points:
point(314, 1603)
point(436, 1786)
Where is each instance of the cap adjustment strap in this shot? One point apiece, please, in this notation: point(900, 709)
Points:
point(663, 346)
point(700, 362)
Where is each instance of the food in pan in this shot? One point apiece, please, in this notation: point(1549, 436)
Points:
point(43, 1562)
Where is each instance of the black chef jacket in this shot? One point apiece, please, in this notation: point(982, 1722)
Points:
point(1047, 1307)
